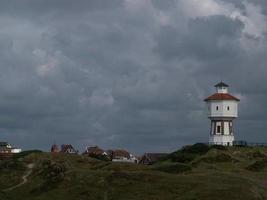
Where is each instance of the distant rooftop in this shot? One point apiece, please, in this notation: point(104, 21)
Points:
point(3, 144)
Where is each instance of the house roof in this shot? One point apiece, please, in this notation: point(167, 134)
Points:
point(221, 96)
point(94, 150)
point(119, 153)
point(221, 84)
point(3, 144)
point(54, 148)
point(66, 147)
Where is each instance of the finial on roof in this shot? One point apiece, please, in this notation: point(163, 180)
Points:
point(221, 84)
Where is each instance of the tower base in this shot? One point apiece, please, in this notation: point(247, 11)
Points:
point(225, 140)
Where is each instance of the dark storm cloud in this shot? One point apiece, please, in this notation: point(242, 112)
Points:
point(127, 74)
point(35, 8)
point(207, 38)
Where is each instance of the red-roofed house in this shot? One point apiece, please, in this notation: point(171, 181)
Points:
point(54, 148)
point(94, 151)
point(120, 155)
point(6, 150)
point(67, 148)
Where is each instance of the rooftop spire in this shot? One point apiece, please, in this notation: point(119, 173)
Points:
point(221, 84)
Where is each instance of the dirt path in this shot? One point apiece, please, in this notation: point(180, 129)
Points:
point(24, 178)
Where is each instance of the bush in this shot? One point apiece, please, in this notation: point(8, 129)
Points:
point(198, 148)
point(182, 157)
point(221, 157)
point(173, 167)
point(12, 165)
point(256, 154)
point(215, 156)
point(258, 165)
point(219, 147)
point(25, 153)
point(188, 153)
point(51, 174)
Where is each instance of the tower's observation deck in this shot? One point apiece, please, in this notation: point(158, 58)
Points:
point(222, 105)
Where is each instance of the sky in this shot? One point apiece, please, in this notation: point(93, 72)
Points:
point(128, 74)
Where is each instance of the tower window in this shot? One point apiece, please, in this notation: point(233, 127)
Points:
point(218, 129)
point(228, 107)
point(217, 107)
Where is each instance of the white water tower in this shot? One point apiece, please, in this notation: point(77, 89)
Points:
point(222, 110)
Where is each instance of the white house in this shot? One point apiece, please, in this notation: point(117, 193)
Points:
point(120, 155)
point(6, 148)
point(222, 110)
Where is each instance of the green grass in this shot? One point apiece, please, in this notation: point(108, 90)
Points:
point(214, 173)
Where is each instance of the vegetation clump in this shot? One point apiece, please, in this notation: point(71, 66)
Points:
point(198, 148)
point(188, 153)
point(25, 153)
point(222, 157)
point(256, 154)
point(173, 167)
point(215, 156)
point(10, 172)
point(258, 165)
point(219, 147)
point(12, 165)
point(51, 173)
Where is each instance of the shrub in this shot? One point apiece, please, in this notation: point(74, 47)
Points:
point(188, 153)
point(51, 174)
point(219, 147)
point(12, 165)
point(198, 148)
point(215, 156)
point(181, 157)
point(173, 167)
point(25, 153)
point(258, 165)
point(256, 154)
point(221, 157)
point(52, 171)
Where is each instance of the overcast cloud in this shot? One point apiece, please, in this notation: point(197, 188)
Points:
point(128, 73)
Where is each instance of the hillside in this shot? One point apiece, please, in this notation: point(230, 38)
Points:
point(196, 172)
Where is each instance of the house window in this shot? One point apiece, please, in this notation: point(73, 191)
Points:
point(218, 129)
point(231, 128)
point(228, 107)
point(217, 107)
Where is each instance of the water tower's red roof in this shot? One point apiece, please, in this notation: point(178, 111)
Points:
point(221, 96)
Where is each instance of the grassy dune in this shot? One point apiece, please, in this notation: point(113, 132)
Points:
point(232, 173)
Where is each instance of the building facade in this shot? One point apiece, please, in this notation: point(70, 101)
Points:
point(7, 151)
point(222, 110)
point(120, 155)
